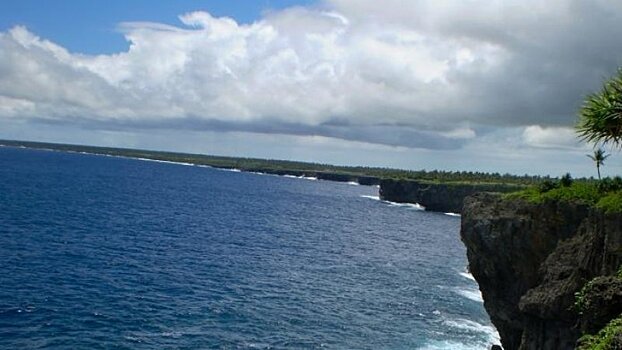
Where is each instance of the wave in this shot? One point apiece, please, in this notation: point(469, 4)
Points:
point(452, 214)
point(472, 326)
point(415, 206)
point(451, 345)
point(233, 170)
point(353, 183)
point(376, 198)
point(300, 177)
point(155, 160)
point(467, 275)
point(472, 294)
point(489, 332)
point(469, 293)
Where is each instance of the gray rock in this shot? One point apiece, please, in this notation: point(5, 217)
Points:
point(530, 259)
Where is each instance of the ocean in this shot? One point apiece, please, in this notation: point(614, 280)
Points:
point(100, 252)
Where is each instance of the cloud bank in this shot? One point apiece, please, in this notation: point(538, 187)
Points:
point(418, 74)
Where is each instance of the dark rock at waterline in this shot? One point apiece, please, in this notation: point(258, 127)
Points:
point(530, 259)
point(442, 197)
point(321, 175)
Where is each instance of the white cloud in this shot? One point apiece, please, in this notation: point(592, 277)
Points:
point(551, 137)
point(424, 73)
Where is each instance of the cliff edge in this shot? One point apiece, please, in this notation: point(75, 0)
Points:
point(442, 197)
point(531, 260)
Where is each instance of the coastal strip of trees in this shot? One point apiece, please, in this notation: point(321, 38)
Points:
point(283, 167)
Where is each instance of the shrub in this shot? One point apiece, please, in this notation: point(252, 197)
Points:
point(609, 185)
point(566, 180)
point(546, 186)
point(611, 203)
point(607, 338)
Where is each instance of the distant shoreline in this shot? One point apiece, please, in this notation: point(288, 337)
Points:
point(362, 175)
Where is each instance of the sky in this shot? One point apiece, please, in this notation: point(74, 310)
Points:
point(470, 85)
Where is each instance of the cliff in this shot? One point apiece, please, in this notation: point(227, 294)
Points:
point(321, 175)
point(531, 260)
point(443, 197)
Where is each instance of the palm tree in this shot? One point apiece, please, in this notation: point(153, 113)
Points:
point(599, 158)
point(601, 115)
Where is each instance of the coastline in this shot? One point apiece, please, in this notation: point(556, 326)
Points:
point(426, 190)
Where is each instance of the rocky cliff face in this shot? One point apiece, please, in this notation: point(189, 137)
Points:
point(443, 197)
point(530, 259)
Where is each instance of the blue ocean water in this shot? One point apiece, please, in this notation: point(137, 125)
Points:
point(111, 253)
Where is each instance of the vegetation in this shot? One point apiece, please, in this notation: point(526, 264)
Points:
point(566, 180)
point(608, 338)
point(605, 194)
point(581, 297)
point(599, 158)
point(601, 115)
point(611, 203)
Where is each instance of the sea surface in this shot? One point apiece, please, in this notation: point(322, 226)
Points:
point(102, 252)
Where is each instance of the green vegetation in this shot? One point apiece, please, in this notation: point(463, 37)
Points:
point(581, 297)
point(605, 194)
point(611, 203)
point(586, 192)
point(601, 115)
point(591, 297)
point(608, 338)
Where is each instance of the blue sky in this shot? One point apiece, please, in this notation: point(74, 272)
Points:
point(426, 84)
point(90, 26)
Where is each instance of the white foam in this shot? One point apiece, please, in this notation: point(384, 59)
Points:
point(450, 345)
point(312, 178)
point(468, 325)
point(452, 214)
point(471, 294)
point(467, 276)
point(160, 161)
point(353, 183)
point(415, 206)
point(376, 198)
